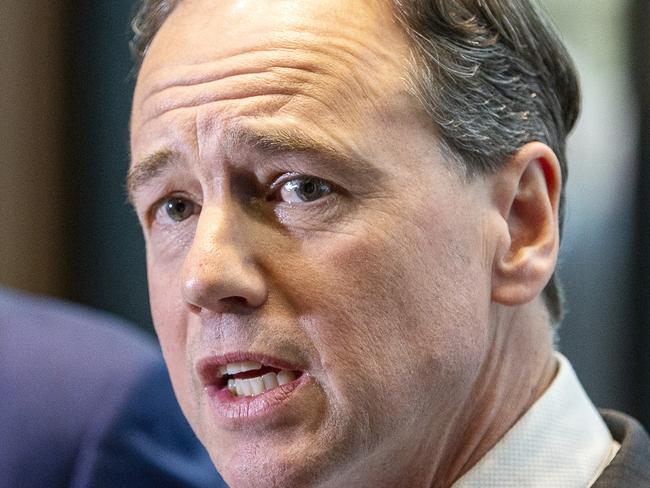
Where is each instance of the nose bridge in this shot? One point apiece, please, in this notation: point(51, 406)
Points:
point(220, 271)
point(215, 231)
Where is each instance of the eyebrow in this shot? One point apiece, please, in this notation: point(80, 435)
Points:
point(273, 143)
point(147, 170)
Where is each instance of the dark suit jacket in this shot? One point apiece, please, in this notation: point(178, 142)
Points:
point(85, 401)
point(631, 466)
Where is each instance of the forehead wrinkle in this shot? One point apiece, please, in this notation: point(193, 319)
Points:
point(282, 141)
point(284, 48)
point(237, 139)
point(306, 56)
point(237, 87)
point(276, 91)
point(224, 66)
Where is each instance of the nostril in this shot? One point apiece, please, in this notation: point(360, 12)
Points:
point(224, 305)
point(239, 302)
point(235, 304)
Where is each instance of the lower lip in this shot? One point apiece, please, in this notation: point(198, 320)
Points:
point(240, 410)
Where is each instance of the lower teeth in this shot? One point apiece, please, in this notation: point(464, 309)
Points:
point(260, 384)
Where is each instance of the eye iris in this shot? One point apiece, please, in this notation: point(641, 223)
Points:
point(178, 209)
point(311, 189)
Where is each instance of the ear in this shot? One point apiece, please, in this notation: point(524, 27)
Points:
point(526, 193)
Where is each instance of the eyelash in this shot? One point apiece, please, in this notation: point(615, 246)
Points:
point(280, 182)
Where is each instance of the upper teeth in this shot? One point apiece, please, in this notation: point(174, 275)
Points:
point(241, 367)
point(257, 385)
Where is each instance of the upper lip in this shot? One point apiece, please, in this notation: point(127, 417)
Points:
point(207, 368)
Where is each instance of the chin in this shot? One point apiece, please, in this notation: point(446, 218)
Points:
point(267, 466)
point(295, 455)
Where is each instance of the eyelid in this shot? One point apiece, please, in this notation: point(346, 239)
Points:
point(283, 178)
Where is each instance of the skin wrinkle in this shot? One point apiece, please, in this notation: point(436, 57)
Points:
point(274, 144)
point(293, 54)
point(237, 86)
point(339, 53)
point(275, 141)
point(219, 105)
point(201, 73)
point(268, 58)
point(276, 109)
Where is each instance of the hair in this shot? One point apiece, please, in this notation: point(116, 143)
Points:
point(492, 74)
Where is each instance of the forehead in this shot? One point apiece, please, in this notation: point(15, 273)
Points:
point(316, 59)
point(205, 28)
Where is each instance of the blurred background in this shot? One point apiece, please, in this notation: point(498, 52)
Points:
point(67, 231)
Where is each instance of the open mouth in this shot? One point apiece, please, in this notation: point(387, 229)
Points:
point(241, 376)
point(249, 378)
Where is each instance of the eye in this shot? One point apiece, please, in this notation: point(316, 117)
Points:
point(304, 189)
point(177, 209)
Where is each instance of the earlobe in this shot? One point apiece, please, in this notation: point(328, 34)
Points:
point(527, 195)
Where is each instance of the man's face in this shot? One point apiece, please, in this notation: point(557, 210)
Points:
point(299, 214)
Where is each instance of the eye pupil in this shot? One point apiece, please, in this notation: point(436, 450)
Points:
point(178, 209)
point(309, 188)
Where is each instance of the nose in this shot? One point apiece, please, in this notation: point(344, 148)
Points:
point(219, 273)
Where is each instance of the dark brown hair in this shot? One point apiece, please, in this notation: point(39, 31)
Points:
point(492, 74)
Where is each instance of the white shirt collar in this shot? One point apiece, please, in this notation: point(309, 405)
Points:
point(561, 442)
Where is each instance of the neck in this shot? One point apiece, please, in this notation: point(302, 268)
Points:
point(517, 370)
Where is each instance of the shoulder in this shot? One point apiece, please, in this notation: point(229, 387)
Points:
point(631, 466)
point(87, 402)
point(47, 333)
point(149, 444)
point(64, 373)
point(61, 363)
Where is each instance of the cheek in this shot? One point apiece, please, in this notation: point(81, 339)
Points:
point(398, 312)
point(171, 318)
point(167, 309)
